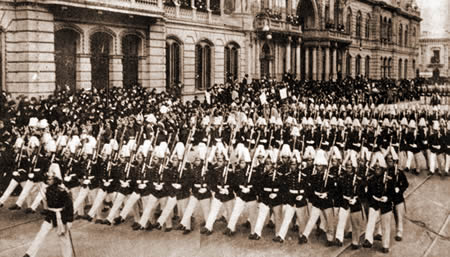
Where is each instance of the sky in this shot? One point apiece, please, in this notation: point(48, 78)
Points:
point(436, 17)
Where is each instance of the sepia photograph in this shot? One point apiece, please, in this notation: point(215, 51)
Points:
point(224, 128)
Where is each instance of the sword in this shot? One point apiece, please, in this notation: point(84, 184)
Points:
point(71, 243)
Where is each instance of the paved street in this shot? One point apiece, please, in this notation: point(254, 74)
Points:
point(428, 209)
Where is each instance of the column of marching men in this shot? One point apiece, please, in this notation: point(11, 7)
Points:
point(332, 169)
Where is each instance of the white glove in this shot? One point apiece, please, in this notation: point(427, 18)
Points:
point(86, 182)
point(224, 191)
point(176, 185)
point(323, 196)
point(397, 189)
point(158, 187)
point(69, 225)
point(299, 197)
point(384, 199)
point(31, 175)
point(272, 195)
point(202, 190)
point(107, 184)
point(245, 190)
point(16, 173)
point(142, 186)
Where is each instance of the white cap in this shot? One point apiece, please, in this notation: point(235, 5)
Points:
point(150, 118)
point(124, 152)
point(179, 150)
point(50, 146)
point(34, 122)
point(55, 170)
point(378, 158)
point(33, 142)
point(285, 150)
point(43, 124)
point(201, 151)
point(107, 149)
point(244, 155)
point(320, 158)
point(19, 143)
point(114, 144)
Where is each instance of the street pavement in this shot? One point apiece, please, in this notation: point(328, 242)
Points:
point(428, 214)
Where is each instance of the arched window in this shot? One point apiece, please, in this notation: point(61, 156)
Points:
point(406, 35)
point(173, 62)
point(358, 24)
point(389, 31)
point(406, 69)
point(202, 65)
point(349, 65)
point(66, 59)
point(338, 15)
point(381, 28)
point(2, 61)
point(413, 36)
point(389, 68)
point(367, 29)
point(400, 66)
point(413, 67)
point(130, 61)
point(348, 25)
point(358, 65)
point(400, 35)
point(384, 30)
point(367, 67)
point(231, 52)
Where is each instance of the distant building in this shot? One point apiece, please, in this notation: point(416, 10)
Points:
point(49, 44)
point(435, 40)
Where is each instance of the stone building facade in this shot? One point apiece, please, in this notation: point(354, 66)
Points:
point(48, 44)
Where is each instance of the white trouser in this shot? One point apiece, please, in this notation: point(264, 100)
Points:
point(400, 210)
point(115, 208)
point(98, 202)
point(262, 216)
point(129, 204)
point(205, 204)
point(167, 212)
point(239, 206)
point(10, 189)
point(410, 160)
point(356, 221)
point(78, 205)
point(216, 205)
point(385, 226)
point(150, 202)
point(39, 196)
point(26, 190)
point(314, 216)
point(432, 162)
point(181, 206)
point(64, 239)
point(287, 218)
point(447, 163)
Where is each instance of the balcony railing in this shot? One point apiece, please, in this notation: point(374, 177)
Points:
point(334, 35)
point(143, 6)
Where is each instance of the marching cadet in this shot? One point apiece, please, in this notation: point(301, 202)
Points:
point(351, 186)
point(320, 197)
point(157, 191)
point(221, 179)
point(411, 139)
point(86, 177)
point(435, 145)
point(105, 181)
point(59, 216)
point(271, 195)
point(127, 173)
point(446, 143)
point(247, 179)
point(171, 177)
point(50, 148)
point(400, 183)
point(201, 193)
point(38, 167)
point(19, 174)
point(296, 196)
point(133, 198)
point(379, 193)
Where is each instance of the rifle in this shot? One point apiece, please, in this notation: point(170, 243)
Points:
point(165, 161)
point(186, 151)
point(275, 168)
point(205, 165)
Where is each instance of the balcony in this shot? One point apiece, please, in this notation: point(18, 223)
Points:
point(133, 7)
point(327, 35)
